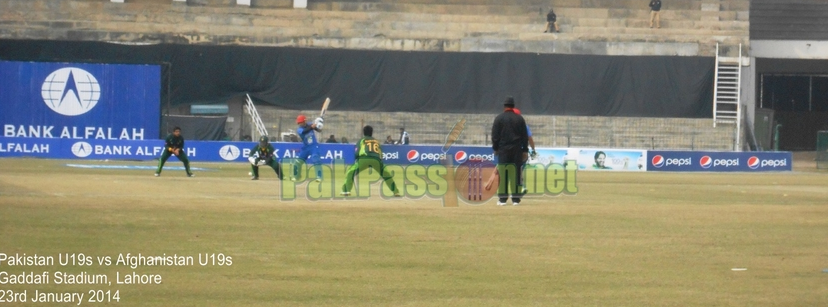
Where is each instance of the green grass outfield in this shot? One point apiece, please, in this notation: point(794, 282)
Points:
point(626, 239)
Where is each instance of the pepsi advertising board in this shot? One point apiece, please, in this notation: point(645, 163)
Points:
point(428, 154)
point(79, 101)
point(211, 151)
point(699, 161)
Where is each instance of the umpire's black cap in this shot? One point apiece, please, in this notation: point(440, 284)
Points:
point(510, 102)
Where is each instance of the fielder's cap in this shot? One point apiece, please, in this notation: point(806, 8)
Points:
point(509, 102)
point(300, 119)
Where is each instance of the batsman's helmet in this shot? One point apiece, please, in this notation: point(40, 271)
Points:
point(263, 139)
point(300, 119)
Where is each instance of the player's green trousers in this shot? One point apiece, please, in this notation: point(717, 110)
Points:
point(273, 164)
point(362, 164)
point(166, 155)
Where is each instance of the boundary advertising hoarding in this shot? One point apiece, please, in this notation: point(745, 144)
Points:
point(197, 151)
point(589, 159)
point(212, 151)
point(79, 101)
point(216, 151)
point(698, 161)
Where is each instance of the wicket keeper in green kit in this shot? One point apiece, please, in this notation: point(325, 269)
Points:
point(263, 154)
point(174, 145)
point(368, 155)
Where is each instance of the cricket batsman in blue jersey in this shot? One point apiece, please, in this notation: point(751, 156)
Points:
point(310, 147)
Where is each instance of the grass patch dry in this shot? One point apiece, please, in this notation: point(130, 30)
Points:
point(627, 239)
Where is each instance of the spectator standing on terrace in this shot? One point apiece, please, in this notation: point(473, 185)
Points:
point(331, 139)
point(655, 13)
point(389, 140)
point(551, 22)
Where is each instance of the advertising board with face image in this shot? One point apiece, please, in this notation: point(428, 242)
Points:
point(594, 159)
point(612, 160)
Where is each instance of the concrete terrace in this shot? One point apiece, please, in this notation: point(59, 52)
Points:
point(618, 27)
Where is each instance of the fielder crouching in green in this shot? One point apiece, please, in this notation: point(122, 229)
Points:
point(368, 155)
point(263, 154)
point(174, 145)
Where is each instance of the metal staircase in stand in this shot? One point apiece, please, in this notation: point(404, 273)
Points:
point(727, 108)
point(258, 125)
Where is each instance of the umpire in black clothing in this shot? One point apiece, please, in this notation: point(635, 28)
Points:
point(510, 142)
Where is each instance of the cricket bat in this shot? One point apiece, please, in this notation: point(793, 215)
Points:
point(325, 107)
point(454, 134)
point(492, 178)
point(450, 198)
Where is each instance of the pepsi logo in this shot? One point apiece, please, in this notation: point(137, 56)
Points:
point(774, 163)
point(461, 156)
point(433, 157)
point(706, 162)
point(390, 155)
point(726, 162)
point(753, 162)
point(658, 161)
point(413, 156)
point(481, 157)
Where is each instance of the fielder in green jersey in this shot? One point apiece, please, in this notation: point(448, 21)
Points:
point(174, 145)
point(368, 155)
point(263, 154)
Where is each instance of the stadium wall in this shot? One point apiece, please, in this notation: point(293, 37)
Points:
point(548, 131)
point(802, 20)
point(426, 82)
point(789, 40)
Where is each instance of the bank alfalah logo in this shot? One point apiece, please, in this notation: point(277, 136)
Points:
point(229, 152)
point(71, 91)
point(82, 149)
